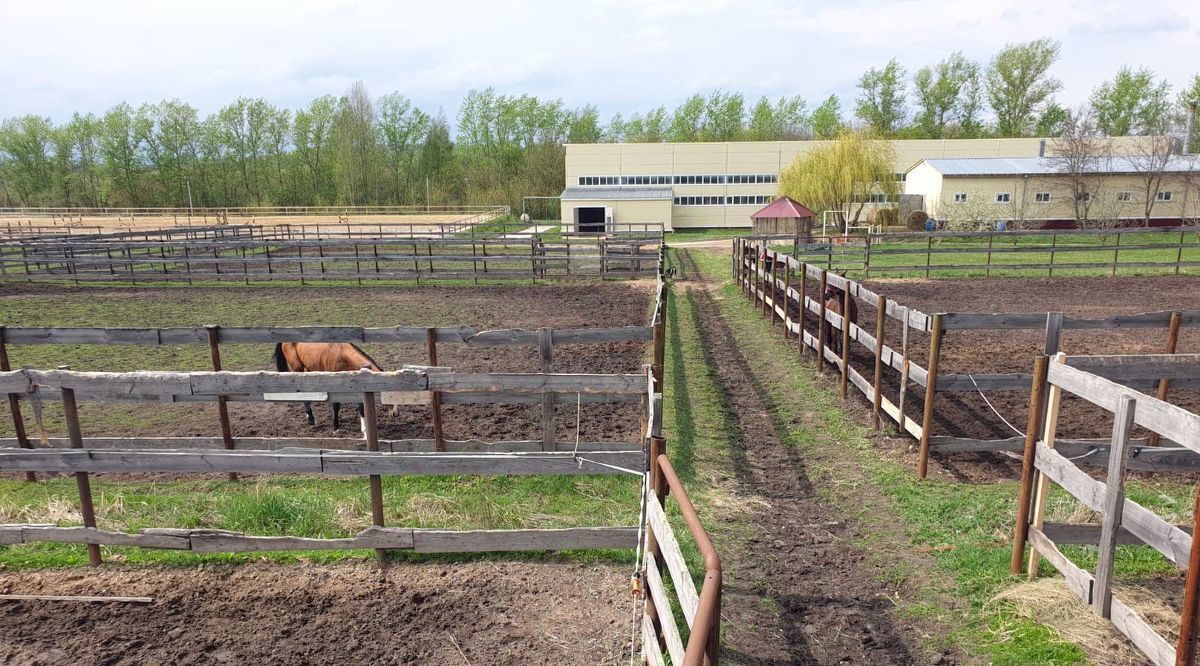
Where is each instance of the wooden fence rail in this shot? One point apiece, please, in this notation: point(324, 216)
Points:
point(921, 253)
point(1121, 520)
point(758, 270)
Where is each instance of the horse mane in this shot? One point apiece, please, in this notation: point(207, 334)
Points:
point(366, 356)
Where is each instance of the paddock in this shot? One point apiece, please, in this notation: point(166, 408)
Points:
point(977, 401)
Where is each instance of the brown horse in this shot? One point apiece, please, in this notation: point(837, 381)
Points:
point(324, 357)
point(834, 298)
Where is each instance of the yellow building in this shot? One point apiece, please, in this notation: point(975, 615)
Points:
point(977, 192)
point(696, 185)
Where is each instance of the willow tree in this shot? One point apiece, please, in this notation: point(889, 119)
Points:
point(842, 176)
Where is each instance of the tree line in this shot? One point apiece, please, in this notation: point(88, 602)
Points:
point(358, 149)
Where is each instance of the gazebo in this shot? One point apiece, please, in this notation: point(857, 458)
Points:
point(784, 216)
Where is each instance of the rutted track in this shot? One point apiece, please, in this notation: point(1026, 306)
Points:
point(798, 588)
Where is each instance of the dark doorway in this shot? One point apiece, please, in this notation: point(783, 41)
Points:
point(589, 220)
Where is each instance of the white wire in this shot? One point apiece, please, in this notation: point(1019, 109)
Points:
point(990, 406)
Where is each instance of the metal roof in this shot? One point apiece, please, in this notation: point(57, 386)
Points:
point(615, 193)
point(1044, 166)
point(784, 207)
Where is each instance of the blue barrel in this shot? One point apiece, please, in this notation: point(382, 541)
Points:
point(930, 225)
point(1001, 225)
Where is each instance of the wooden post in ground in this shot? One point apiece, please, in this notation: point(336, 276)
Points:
point(803, 304)
point(435, 397)
point(1049, 430)
point(214, 352)
point(775, 288)
point(845, 340)
point(766, 274)
point(14, 405)
point(86, 509)
point(1037, 395)
point(1185, 649)
point(877, 384)
point(546, 357)
point(935, 352)
point(1164, 383)
point(787, 287)
point(1114, 504)
point(821, 320)
point(371, 433)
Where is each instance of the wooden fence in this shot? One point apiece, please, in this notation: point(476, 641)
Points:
point(1102, 251)
point(265, 259)
point(1121, 520)
point(757, 268)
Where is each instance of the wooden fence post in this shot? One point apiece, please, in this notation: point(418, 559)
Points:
point(821, 321)
point(435, 397)
point(546, 356)
point(787, 298)
point(774, 286)
point(877, 399)
point(371, 433)
point(214, 352)
point(935, 352)
point(845, 339)
point(86, 509)
point(1185, 649)
point(1164, 383)
point(766, 274)
point(1037, 394)
point(1114, 504)
point(803, 304)
point(1049, 430)
point(14, 405)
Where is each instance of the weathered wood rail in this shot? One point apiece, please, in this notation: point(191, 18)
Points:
point(258, 257)
point(766, 277)
point(987, 252)
point(1121, 520)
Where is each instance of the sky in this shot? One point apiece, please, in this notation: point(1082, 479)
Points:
point(60, 57)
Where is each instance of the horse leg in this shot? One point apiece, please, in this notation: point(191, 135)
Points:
point(337, 420)
point(362, 419)
point(312, 422)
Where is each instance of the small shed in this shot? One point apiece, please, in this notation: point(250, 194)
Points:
point(784, 216)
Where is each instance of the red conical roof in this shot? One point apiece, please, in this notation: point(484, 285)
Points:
point(783, 207)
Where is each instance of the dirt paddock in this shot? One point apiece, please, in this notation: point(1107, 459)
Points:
point(76, 224)
point(479, 612)
point(968, 414)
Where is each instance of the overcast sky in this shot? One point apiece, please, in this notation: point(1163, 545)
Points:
point(60, 57)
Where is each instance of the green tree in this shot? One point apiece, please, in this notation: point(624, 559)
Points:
point(1019, 85)
point(1133, 102)
point(785, 120)
point(1188, 95)
point(403, 128)
point(1051, 121)
point(312, 138)
point(121, 134)
point(881, 101)
point(687, 121)
point(827, 119)
point(947, 94)
point(842, 175)
point(724, 117)
point(652, 127)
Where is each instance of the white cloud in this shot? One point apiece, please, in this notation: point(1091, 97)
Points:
point(621, 55)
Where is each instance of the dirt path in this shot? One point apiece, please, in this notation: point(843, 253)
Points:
point(799, 588)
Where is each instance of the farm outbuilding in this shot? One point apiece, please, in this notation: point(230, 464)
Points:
point(784, 216)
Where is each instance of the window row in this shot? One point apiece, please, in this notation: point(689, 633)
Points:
point(730, 179)
point(742, 200)
point(1046, 197)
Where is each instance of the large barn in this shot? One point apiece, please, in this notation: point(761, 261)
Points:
point(718, 184)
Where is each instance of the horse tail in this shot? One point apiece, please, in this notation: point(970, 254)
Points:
point(281, 363)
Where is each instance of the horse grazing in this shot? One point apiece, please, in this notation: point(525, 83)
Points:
point(324, 357)
point(834, 300)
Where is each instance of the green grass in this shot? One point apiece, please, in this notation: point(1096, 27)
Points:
point(965, 528)
point(684, 235)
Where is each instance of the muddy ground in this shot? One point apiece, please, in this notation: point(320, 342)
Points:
point(463, 613)
point(799, 586)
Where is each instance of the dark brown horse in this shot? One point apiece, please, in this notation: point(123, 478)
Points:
point(324, 357)
point(834, 298)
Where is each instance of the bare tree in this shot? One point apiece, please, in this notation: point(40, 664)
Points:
point(1149, 162)
point(1079, 158)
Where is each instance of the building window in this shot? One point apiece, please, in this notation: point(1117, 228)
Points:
point(1041, 197)
point(960, 197)
point(1164, 195)
point(1125, 196)
point(1003, 197)
point(1084, 197)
